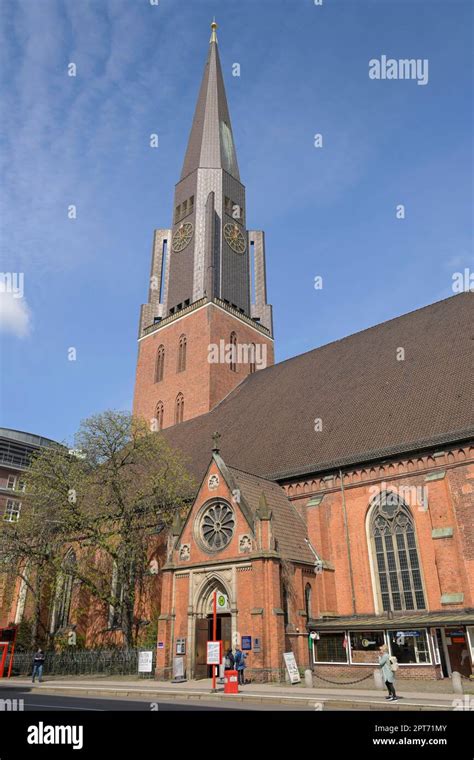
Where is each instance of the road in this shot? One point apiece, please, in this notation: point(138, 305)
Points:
point(60, 702)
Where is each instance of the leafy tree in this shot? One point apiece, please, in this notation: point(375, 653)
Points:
point(109, 499)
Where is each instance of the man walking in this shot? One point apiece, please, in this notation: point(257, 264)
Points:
point(38, 663)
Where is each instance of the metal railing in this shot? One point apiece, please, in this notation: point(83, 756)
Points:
point(107, 662)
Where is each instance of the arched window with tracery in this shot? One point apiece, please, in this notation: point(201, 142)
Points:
point(395, 553)
point(64, 590)
point(160, 410)
point(179, 410)
point(182, 354)
point(160, 363)
point(252, 358)
point(233, 352)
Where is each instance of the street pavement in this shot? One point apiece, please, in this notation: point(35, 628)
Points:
point(194, 694)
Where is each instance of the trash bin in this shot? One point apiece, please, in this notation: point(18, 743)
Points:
point(231, 682)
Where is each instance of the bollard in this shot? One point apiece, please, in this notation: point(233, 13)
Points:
point(308, 678)
point(378, 679)
point(456, 682)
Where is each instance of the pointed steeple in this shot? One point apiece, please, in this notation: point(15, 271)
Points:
point(211, 143)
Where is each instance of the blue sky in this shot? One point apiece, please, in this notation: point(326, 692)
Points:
point(84, 140)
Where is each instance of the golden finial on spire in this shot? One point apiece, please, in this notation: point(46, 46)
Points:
point(213, 32)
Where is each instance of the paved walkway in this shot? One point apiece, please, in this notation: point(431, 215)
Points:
point(419, 699)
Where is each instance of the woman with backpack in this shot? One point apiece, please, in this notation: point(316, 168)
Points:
point(229, 660)
point(240, 664)
point(388, 672)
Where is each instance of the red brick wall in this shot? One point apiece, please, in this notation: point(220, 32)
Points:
point(203, 384)
point(447, 563)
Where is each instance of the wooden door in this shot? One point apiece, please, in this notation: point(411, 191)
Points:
point(200, 658)
point(226, 633)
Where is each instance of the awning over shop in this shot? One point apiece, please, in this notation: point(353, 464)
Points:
point(398, 621)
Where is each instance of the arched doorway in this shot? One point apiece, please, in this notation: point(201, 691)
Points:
point(204, 626)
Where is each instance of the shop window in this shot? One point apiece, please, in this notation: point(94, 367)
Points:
point(365, 646)
point(410, 647)
point(331, 647)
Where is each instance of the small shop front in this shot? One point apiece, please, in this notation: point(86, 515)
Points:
point(431, 647)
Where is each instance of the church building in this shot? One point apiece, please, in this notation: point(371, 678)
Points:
point(336, 497)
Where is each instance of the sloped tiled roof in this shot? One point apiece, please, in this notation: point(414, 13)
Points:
point(371, 405)
point(288, 527)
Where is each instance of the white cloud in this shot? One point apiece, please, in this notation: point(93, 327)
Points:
point(15, 315)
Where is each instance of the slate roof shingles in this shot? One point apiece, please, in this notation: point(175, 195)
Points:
point(371, 405)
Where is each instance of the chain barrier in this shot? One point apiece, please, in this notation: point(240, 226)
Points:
point(344, 683)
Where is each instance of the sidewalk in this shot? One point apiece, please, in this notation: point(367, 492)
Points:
point(318, 698)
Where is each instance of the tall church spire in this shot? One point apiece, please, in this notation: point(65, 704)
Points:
point(207, 281)
point(211, 143)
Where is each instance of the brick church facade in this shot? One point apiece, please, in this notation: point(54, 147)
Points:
point(335, 507)
point(335, 511)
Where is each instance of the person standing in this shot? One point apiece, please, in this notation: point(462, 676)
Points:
point(38, 664)
point(229, 660)
point(239, 661)
point(387, 673)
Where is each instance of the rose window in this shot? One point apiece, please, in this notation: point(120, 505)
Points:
point(217, 526)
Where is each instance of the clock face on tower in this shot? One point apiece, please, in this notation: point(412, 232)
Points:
point(234, 237)
point(183, 236)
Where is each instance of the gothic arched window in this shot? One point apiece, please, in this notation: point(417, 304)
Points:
point(115, 609)
point(160, 363)
point(64, 590)
point(182, 354)
point(160, 410)
point(179, 410)
point(252, 358)
point(233, 349)
point(307, 601)
point(394, 548)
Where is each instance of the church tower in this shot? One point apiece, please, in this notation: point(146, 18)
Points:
point(207, 323)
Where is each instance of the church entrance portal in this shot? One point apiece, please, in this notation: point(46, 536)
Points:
point(203, 635)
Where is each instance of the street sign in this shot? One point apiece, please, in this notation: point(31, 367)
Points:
point(222, 603)
point(214, 652)
point(292, 667)
point(246, 643)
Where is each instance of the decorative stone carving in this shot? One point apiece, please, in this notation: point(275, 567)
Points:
point(184, 552)
point(213, 482)
point(245, 543)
